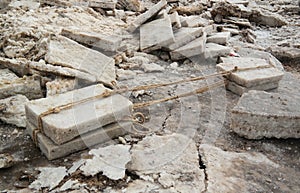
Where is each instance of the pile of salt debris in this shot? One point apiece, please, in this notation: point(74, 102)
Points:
point(90, 120)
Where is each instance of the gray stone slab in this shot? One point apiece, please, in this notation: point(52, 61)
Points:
point(251, 71)
point(243, 63)
point(183, 36)
point(219, 38)
point(260, 114)
point(194, 21)
point(175, 20)
point(213, 50)
point(28, 86)
point(104, 4)
point(69, 123)
point(95, 40)
point(147, 15)
point(240, 90)
point(194, 48)
point(156, 34)
point(65, 52)
point(98, 136)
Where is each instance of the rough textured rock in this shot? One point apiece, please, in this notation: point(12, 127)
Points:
point(6, 160)
point(286, 54)
point(67, 53)
point(172, 158)
point(125, 74)
point(12, 110)
point(69, 123)
point(60, 85)
point(194, 21)
point(49, 177)
point(229, 171)
point(260, 114)
point(110, 160)
point(28, 86)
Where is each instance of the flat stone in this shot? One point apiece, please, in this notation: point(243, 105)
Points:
point(100, 135)
point(172, 158)
point(286, 54)
point(160, 36)
point(251, 71)
point(152, 67)
point(213, 50)
point(81, 118)
point(28, 86)
point(231, 30)
point(68, 53)
point(41, 67)
point(131, 5)
point(12, 110)
point(183, 36)
point(147, 15)
point(219, 38)
point(260, 114)
point(194, 21)
point(240, 90)
point(95, 40)
point(49, 177)
point(230, 171)
point(194, 48)
point(125, 74)
point(104, 4)
point(110, 160)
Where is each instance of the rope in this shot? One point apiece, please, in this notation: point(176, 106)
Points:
point(107, 93)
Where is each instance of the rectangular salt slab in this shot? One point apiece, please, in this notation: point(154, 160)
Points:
point(81, 118)
point(240, 90)
point(100, 135)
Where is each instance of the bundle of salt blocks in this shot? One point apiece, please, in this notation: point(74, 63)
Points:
point(89, 120)
point(250, 74)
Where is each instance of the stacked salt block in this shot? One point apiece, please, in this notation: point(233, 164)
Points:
point(251, 74)
point(89, 121)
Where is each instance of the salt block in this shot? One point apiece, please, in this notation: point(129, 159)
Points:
point(214, 50)
point(194, 21)
point(260, 114)
point(240, 90)
point(219, 38)
point(96, 40)
point(243, 63)
point(104, 4)
point(251, 78)
point(65, 52)
point(98, 136)
point(156, 34)
point(81, 118)
point(147, 15)
point(194, 48)
point(183, 36)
